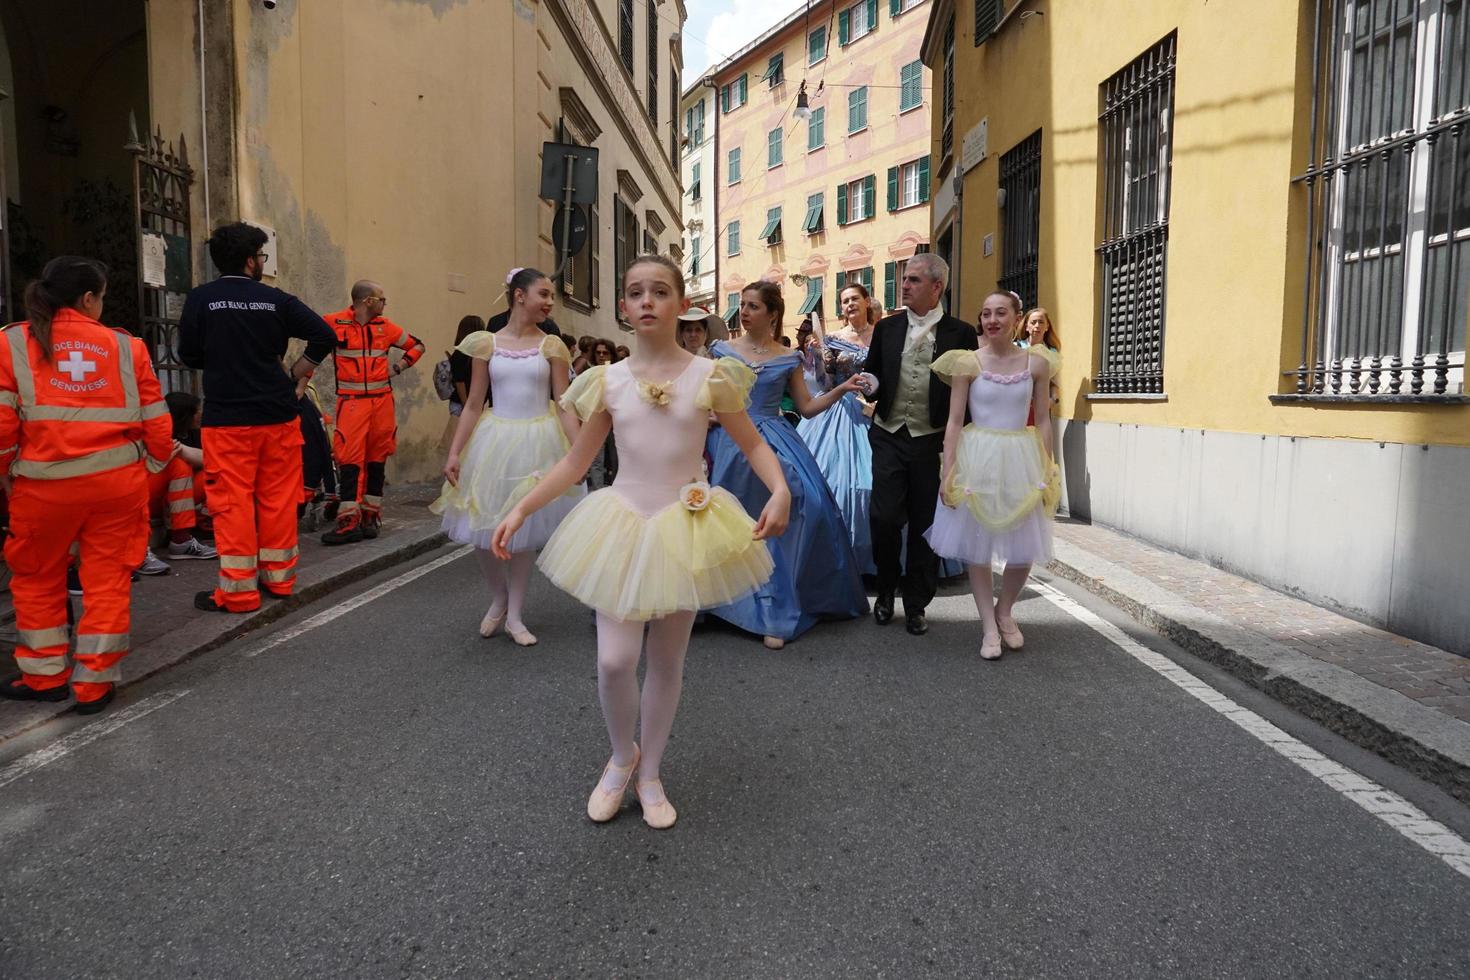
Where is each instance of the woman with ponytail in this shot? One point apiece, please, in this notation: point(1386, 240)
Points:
point(82, 423)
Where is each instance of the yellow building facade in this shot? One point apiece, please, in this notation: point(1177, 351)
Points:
point(1251, 225)
point(843, 195)
point(384, 139)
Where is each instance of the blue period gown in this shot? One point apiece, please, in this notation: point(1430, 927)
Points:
point(816, 575)
point(838, 439)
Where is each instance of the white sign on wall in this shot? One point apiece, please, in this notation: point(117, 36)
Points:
point(976, 146)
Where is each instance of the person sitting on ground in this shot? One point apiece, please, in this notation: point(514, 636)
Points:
point(176, 493)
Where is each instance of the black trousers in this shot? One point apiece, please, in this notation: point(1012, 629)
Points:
point(905, 490)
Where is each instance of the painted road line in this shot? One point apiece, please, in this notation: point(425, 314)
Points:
point(357, 601)
point(110, 723)
point(1384, 804)
point(68, 744)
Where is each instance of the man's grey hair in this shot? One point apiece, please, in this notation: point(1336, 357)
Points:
point(930, 266)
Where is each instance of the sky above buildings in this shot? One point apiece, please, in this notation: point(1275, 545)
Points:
point(717, 29)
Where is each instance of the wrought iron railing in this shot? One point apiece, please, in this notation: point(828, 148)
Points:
point(1387, 209)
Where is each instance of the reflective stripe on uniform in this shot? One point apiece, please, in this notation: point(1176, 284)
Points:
point(238, 585)
point(368, 500)
point(9, 399)
point(64, 413)
point(277, 575)
point(9, 449)
point(180, 506)
point(347, 507)
point(182, 483)
point(62, 469)
point(82, 674)
point(155, 465)
point(155, 410)
point(48, 666)
point(241, 562)
point(55, 636)
point(102, 643)
point(362, 387)
point(278, 554)
point(20, 361)
point(125, 369)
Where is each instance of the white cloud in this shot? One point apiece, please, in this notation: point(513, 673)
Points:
point(732, 24)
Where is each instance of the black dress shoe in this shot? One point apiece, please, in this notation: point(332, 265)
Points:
point(92, 707)
point(18, 691)
point(883, 609)
point(916, 624)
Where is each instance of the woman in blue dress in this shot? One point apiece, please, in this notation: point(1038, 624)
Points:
point(839, 439)
point(816, 575)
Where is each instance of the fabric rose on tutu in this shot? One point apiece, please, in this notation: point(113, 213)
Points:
point(657, 395)
point(694, 496)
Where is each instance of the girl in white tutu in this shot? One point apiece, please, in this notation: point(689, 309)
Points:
point(660, 543)
point(498, 452)
point(999, 486)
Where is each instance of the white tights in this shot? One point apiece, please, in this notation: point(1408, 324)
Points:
point(508, 581)
point(619, 647)
point(982, 586)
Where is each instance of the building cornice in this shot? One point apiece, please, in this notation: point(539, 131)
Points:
point(939, 13)
point(578, 20)
point(822, 7)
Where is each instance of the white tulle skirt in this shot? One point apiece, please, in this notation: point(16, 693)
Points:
point(999, 501)
point(499, 465)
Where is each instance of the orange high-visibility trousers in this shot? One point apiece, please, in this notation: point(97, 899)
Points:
point(367, 433)
point(252, 482)
point(175, 492)
point(46, 516)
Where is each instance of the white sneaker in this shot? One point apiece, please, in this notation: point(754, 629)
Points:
point(153, 565)
point(193, 548)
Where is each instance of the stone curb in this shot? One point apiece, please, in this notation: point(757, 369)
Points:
point(1432, 746)
point(356, 562)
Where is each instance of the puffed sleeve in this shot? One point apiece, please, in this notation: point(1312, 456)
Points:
point(727, 389)
point(1053, 357)
point(584, 395)
point(553, 349)
point(479, 345)
point(956, 364)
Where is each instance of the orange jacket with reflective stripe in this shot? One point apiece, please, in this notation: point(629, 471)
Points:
point(94, 409)
point(361, 357)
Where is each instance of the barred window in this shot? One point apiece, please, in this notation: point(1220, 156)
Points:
point(625, 33)
point(1137, 133)
point(946, 139)
point(1388, 201)
point(1020, 181)
point(653, 64)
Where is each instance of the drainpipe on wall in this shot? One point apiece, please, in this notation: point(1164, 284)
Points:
point(957, 238)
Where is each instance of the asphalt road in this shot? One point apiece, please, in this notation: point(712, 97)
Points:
point(389, 795)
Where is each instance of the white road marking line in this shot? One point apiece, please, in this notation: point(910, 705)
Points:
point(68, 744)
point(343, 608)
point(1384, 804)
point(110, 723)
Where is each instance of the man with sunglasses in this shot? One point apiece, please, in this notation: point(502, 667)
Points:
point(237, 329)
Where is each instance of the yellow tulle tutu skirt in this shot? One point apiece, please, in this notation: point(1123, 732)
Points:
point(498, 466)
point(999, 500)
point(631, 567)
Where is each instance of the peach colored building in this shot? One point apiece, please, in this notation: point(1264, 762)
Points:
point(840, 197)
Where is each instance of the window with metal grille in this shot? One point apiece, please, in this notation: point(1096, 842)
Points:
point(987, 16)
point(625, 34)
point(625, 230)
point(911, 86)
point(1385, 304)
point(673, 115)
point(1137, 132)
point(652, 63)
point(1020, 181)
point(946, 139)
point(816, 130)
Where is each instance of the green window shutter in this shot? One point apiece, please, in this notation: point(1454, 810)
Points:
point(773, 147)
point(911, 86)
point(816, 130)
point(724, 98)
point(890, 285)
point(734, 166)
point(816, 46)
point(872, 15)
point(867, 276)
point(837, 302)
point(844, 28)
point(857, 109)
point(870, 195)
point(841, 204)
point(689, 123)
point(924, 180)
point(732, 239)
point(893, 188)
point(894, 8)
point(987, 15)
point(744, 82)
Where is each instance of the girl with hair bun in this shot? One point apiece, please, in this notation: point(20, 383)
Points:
point(659, 544)
point(498, 451)
point(999, 486)
point(817, 576)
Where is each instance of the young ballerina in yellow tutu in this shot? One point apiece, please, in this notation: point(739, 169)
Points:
point(999, 486)
point(497, 451)
point(660, 543)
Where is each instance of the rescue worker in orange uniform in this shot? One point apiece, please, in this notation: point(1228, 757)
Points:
point(366, 425)
point(82, 423)
point(237, 329)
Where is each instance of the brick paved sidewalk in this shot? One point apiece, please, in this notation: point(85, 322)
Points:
point(1433, 677)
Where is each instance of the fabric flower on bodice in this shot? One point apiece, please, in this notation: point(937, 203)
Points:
point(694, 496)
point(657, 395)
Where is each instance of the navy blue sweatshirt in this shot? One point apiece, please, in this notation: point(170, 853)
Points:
point(236, 330)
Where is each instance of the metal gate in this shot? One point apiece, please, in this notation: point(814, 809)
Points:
point(161, 181)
